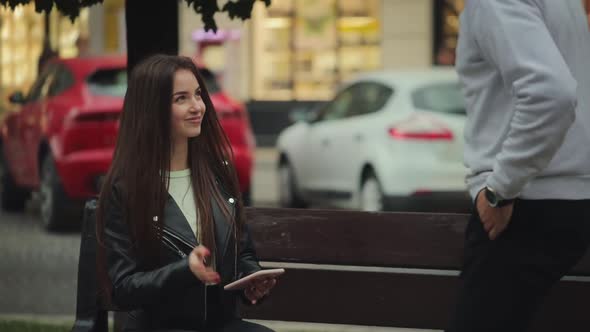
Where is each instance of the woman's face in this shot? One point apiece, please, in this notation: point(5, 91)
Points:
point(188, 107)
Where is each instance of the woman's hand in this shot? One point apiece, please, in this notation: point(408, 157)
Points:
point(259, 288)
point(196, 262)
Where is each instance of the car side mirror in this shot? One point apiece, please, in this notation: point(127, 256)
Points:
point(17, 98)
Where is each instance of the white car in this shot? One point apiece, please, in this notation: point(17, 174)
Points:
point(387, 141)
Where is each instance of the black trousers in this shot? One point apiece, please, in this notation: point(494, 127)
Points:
point(504, 281)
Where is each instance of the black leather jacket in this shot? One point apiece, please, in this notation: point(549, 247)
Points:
point(171, 296)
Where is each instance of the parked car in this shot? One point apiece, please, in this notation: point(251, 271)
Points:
point(389, 140)
point(59, 139)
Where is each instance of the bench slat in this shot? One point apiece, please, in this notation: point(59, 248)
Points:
point(397, 300)
point(414, 240)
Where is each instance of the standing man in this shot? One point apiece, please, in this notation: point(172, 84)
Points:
point(525, 69)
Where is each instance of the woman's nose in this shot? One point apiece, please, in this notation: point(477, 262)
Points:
point(196, 102)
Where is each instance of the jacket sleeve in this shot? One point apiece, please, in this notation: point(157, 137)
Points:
point(513, 35)
point(132, 287)
point(247, 259)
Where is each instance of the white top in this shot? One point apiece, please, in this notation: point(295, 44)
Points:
point(180, 189)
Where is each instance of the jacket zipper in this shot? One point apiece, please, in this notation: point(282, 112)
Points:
point(235, 245)
point(173, 247)
point(186, 243)
point(177, 237)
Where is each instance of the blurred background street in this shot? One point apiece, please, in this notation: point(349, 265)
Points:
point(339, 104)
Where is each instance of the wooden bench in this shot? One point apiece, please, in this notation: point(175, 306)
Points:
point(377, 269)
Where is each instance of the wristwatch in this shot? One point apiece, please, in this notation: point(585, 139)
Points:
point(494, 199)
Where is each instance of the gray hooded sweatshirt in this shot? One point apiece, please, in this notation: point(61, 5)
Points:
point(525, 70)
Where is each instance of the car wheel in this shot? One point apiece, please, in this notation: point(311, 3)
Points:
point(370, 195)
point(57, 210)
point(288, 191)
point(12, 198)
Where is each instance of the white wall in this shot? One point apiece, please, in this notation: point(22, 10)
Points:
point(406, 33)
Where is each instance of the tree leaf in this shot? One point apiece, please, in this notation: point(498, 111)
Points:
point(69, 8)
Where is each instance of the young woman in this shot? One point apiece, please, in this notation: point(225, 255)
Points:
point(170, 219)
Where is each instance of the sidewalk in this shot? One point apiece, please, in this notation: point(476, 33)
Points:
point(278, 326)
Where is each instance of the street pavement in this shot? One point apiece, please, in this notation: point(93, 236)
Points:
point(38, 270)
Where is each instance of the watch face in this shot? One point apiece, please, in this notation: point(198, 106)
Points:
point(491, 197)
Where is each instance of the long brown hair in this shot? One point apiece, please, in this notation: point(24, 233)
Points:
point(142, 155)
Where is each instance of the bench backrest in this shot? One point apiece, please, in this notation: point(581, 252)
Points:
point(381, 269)
point(348, 267)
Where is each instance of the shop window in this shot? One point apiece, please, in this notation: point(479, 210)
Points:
point(22, 32)
point(66, 36)
point(304, 49)
point(446, 30)
point(21, 39)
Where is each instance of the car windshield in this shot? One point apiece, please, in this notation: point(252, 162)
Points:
point(108, 82)
point(440, 97)
point(210, 81)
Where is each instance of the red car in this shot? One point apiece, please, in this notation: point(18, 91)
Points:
point(59, 139)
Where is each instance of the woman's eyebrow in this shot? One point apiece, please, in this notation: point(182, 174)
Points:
point(180, 93)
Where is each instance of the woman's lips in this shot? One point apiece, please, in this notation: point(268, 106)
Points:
point(194, 120)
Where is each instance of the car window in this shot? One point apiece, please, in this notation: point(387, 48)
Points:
point(210, 81)
point(340, 106)
point(440, 97)
point(108, 82)
point(62, 80)
point(41, 82)
point(370, 97)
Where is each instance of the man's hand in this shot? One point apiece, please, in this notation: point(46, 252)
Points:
point(196, 262)
point(259, 288)
point(495, 220)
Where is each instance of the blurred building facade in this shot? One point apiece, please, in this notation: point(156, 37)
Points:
point(302, 50)
point(23, 33)
point(293, 54)
point(297, 52)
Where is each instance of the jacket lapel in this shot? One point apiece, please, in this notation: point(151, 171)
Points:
point(223, 228)
point(176, 221)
